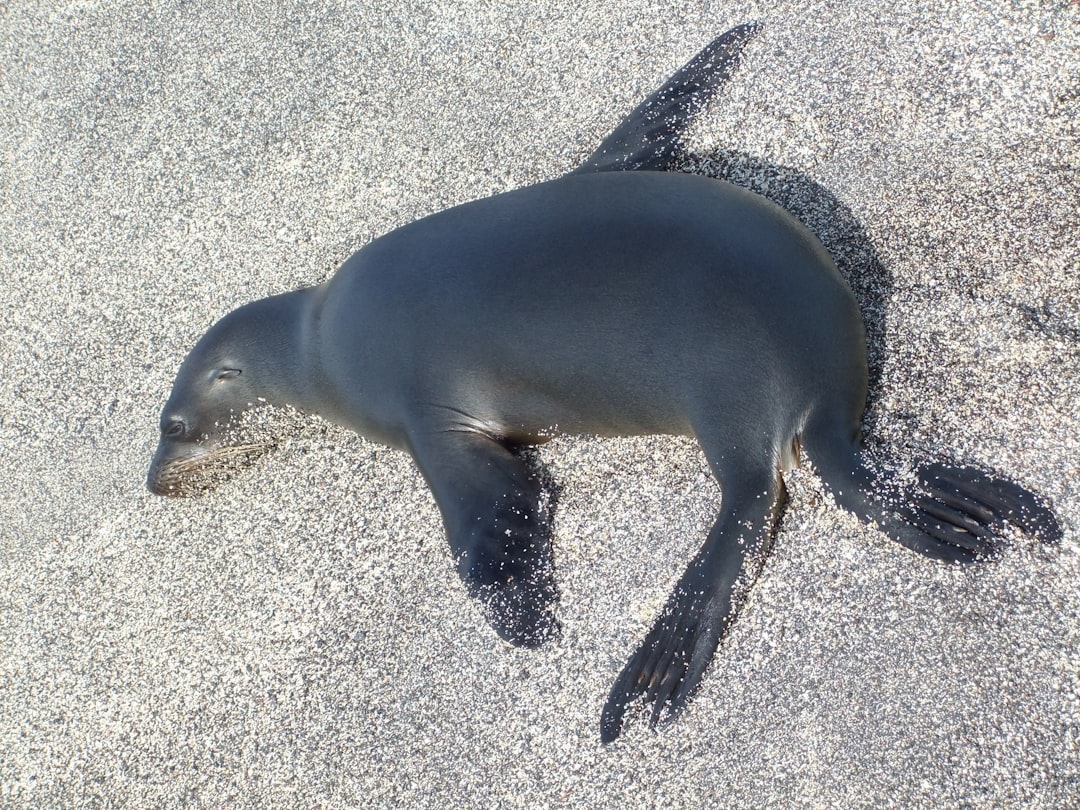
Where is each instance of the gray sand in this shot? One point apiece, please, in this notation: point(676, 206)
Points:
point(298, 638)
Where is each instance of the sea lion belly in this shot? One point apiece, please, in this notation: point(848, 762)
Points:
point(610, 304)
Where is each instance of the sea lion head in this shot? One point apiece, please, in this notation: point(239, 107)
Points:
point(232, 369)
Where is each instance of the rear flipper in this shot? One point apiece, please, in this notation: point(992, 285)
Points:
point(668, 666)
point(966, 499)
point(670, 662)
point(953, 513)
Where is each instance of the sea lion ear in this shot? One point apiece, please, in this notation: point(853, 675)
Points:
point(226, 374)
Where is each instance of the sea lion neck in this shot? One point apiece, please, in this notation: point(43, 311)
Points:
point(279, 351)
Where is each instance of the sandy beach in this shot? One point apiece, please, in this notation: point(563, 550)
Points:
point(298, 638)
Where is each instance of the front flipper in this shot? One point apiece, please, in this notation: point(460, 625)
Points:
point(646, 140)
point(497, 528)
point(668, 666)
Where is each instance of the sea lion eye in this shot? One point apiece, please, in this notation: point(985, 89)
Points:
point(175, 429)
point(227, 374)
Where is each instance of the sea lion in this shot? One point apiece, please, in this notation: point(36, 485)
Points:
point(605, 302)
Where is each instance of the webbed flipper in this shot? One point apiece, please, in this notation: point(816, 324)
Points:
point(497, 528)
point(647, 138)
point(668, 666)
point(954, 503)
point(953, 513)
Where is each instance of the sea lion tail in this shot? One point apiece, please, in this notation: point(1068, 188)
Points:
point(647, 138)
point(951, 512)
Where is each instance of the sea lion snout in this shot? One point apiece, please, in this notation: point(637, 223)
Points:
point(179, 470)
point(166, 474)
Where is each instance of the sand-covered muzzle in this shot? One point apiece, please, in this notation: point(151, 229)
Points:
point(193, 473)
point(195, 465)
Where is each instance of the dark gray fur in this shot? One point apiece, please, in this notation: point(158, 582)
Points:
point(605, 302)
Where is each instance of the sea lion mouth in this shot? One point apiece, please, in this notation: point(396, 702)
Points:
point(201, 471)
